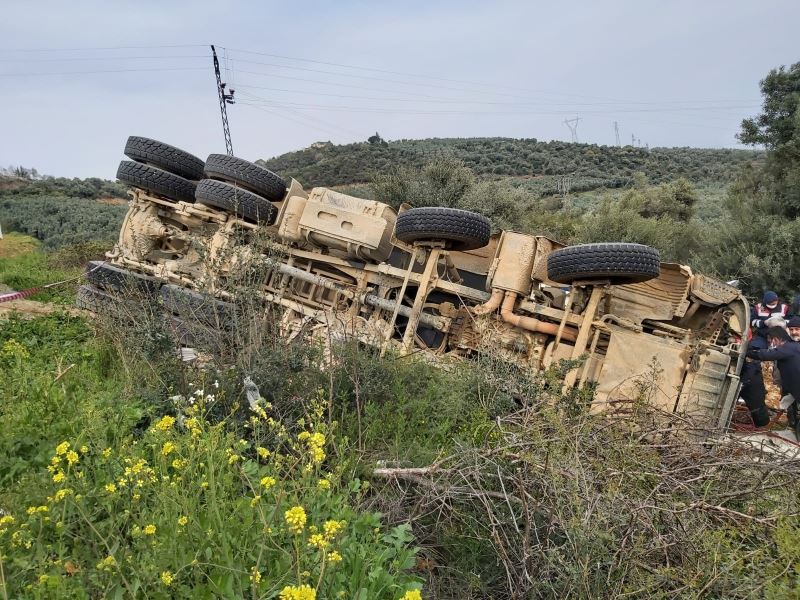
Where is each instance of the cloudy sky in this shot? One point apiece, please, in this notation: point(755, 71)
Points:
point(76, 78)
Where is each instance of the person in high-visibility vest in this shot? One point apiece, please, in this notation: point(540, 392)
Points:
point(769, 309)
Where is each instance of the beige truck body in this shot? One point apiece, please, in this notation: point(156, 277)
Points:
point(333, 260)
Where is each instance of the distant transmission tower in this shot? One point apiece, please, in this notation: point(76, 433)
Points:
point(225, 98)
point(573, 127)
point(616, 131)
point(633, 140)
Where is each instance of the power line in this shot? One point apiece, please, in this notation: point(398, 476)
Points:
point(101, 58)
point(413, 84)
point(103, 71)
point(90, 48)
point(434, 78)
point(288, 118)
point(431, 99)
point(258, 101)
point(329, 107)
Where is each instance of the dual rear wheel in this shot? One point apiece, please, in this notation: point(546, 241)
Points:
point(225, 182)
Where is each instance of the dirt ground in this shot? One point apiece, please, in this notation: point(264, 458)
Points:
point(30, 309)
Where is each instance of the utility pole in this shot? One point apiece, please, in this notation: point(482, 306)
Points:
point(633, 140)
point(224, 99)
point(573, 127)
point(616, 131)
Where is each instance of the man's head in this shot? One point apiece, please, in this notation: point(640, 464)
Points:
point(770, 299)
point(777, 336)
point(793, 326)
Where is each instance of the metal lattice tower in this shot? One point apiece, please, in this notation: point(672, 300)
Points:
point(573, 127)
point(224, 99)
point(616, 131)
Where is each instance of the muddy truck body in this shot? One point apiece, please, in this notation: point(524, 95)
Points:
point(429, 280)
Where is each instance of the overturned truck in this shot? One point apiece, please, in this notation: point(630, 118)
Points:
point(424, 279)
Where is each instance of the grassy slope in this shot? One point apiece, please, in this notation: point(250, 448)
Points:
point(24, 264)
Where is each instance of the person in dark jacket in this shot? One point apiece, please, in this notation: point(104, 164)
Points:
point(786, 354)
point(770, 307)
point(793, 326)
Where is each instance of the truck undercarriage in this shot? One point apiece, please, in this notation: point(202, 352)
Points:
point(428, 280)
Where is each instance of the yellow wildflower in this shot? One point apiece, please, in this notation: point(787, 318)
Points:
point(72, 457)
point(106, 564)
point(298, 592)
point(111, 488)
point(61, 494)
point(255, 576)
point(43, 579)
point(324, 484)
point(149, 529)
point(267, 482)
point(412, 595)
point(178, 464)
point(233, 458)
point(167, 448)
point(62, 448)
point(84, 449)
point(32, 510)
point(262, 452)
point(204, 484)
point(167, 578)
point(165, 423)
point(318, 541)
point(334, 557)
point(6, 520)
point(182, 521)
point(55, 461)
point(255, 500)
point(58, 477)
point(295, 518)
point(332, 527)
point(106, 452)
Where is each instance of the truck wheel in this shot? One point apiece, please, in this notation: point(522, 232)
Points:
point(90, 298)
point(620, 262)
point(156, 181)
point(110, 277)
point(461, 229)
point(247, 175)
point(200, 308)
point(235, 200)
point(163, 156)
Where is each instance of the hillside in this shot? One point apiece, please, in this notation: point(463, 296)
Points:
point(596, 166)
point(60, 211)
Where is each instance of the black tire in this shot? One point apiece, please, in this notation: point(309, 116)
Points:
point(156, 181)
point(163, 156)
point(192, 306)
point(97, 301)
point(461, 229)
point(619, 262)
point(235, 200)
point(247, 175)
point(110, 277)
